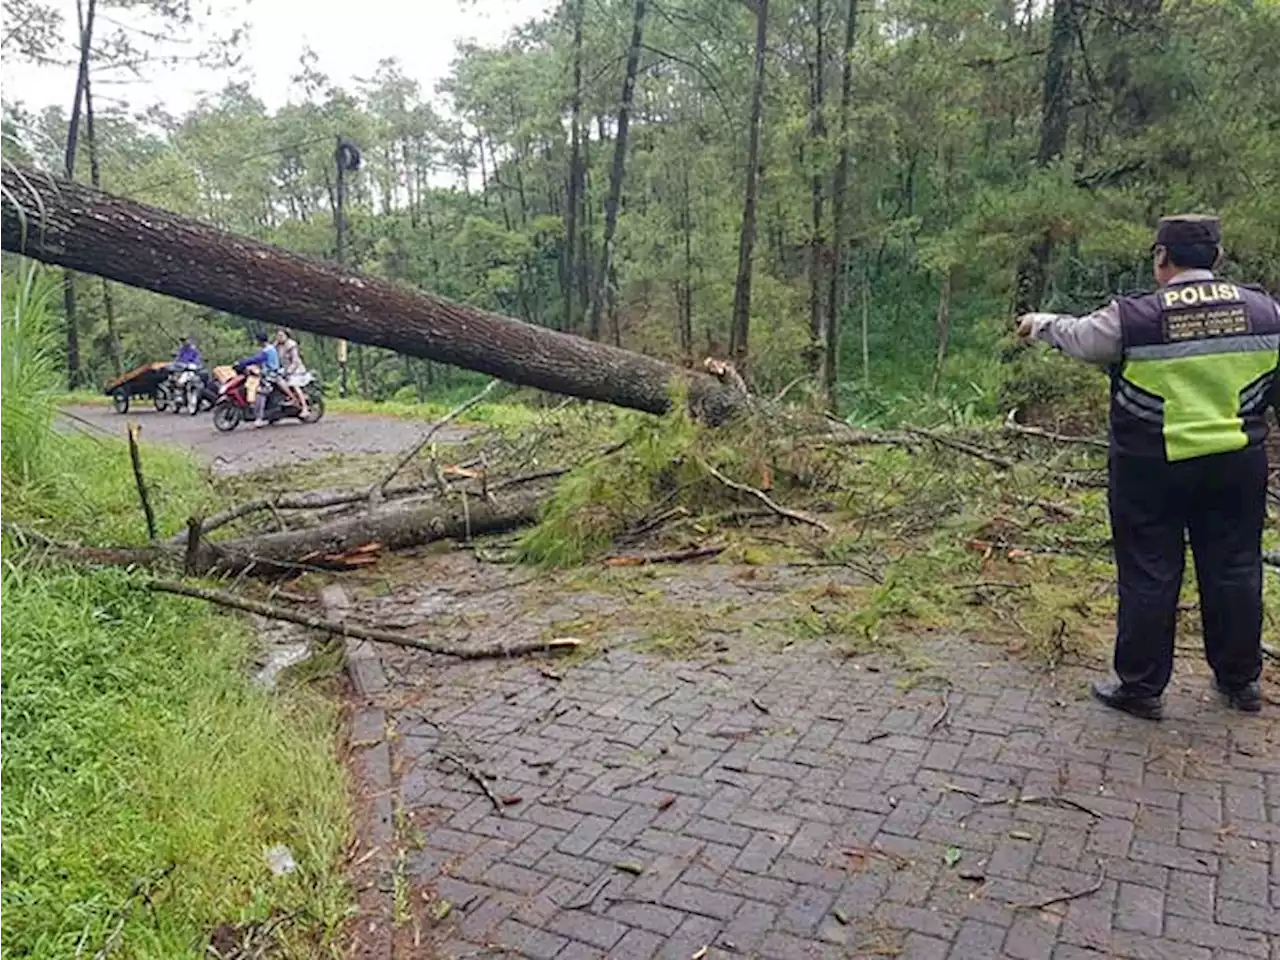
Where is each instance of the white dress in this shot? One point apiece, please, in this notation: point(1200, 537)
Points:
point(295, 373)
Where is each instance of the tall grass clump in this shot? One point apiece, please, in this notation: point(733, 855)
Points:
point(28, 373)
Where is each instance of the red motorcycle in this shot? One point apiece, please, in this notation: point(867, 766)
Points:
point(233, 404)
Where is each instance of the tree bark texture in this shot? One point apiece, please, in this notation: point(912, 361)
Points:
point(95, 178)
point(818, 132)
point(835, 300)
point(740, 327)
point(1033, 272)
point(85, 24)
point(70, 225)
point(393, 528)
point(605, 280)
point(576, 176)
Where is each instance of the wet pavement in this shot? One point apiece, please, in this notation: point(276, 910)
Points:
point(245, 449)
point(762, 799)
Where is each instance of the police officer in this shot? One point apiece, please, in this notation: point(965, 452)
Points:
point(1193, 367)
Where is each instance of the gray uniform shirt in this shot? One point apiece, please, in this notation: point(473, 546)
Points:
point(1095, 337)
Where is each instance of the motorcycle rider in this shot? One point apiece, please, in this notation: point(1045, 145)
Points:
point(188, 353)
point(294, 370)
point(267, 359)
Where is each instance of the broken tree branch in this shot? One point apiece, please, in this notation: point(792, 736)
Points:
point(272, 554)
point(135, 456)
point(223, 598)
point(974, 451)
point(480, 779)
point(673, 556)
point(193, 545)
point(1051, 506)
point(764, 498)
point(944, 713)
point(1011, 425)
point(1064, 897)
point(297, 501)
point(379, 488)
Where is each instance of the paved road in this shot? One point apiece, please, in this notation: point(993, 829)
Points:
point(246, 449)
point(799, 804)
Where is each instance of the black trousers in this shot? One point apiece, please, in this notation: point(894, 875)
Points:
point(1221, 501)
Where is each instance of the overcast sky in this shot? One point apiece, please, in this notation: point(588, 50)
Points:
point(349, 37)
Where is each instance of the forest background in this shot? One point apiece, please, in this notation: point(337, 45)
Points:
point(854, 196)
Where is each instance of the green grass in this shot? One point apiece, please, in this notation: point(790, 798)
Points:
point(84, 398)
point(28, 376)
point(144, 775)
point(133, 743)
point(89, 493)
point(500, 414)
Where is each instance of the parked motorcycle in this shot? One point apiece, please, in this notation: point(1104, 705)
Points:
point(233, 404)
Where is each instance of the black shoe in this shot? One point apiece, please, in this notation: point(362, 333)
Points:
point(1247, 698)
point(1114, 695)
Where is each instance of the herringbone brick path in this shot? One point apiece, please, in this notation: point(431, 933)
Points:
point(803, 805)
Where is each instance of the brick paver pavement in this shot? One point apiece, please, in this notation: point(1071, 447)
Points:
point(800, 804)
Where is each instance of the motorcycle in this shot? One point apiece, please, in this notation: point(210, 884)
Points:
point(186, 389)
point(234, 404)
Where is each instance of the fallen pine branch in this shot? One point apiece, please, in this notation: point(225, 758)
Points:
point(1051, 506)
point(341, 628)
point(1011, 425)
point(764, 498)
point(974, 451)
point(341, 498)
point(673, 556)
point(377, 490)
point(297, 501)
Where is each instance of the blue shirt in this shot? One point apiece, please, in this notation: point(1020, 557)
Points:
point(268, 358)
point(188, 353)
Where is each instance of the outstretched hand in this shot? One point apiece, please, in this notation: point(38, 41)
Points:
point(1025, 326)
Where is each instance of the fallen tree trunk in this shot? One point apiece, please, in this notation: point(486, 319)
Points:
point(64, 223)
point(391, 528)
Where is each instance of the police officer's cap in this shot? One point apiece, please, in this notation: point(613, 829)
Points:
point(1189, 228)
